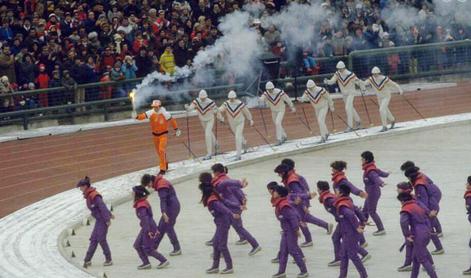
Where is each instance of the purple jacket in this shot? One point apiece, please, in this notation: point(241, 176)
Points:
point(348, 220)
point(427, 192)
point(224, 186)
point(96, 205)
point(144, 213)
point(221, 213)
point(340, 178)
point(296, 190)
point(287, 215)
point(372, 177)
point(167, 195)
point(414, 220)
point(467, 198)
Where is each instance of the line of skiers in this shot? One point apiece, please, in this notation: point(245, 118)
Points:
point(276, 99)
point(224, 198)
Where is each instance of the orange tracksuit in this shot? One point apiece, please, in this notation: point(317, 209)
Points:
point(159, 122)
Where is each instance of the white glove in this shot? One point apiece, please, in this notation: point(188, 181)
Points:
point(178, 132)
point(332, 108)
point(401, 92)
point(134, 114)
point(251, 122)
point(186, 106)
point(326, 81)
point(293, 109)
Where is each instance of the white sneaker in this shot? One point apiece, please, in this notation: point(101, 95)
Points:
point(364, 245)
point(212, 270)
point(365, 258)
point(227, 271)
point(307, 244)
point(379, 233)
point(108, 263)
point(144, 266)
point(404, 268)
point(279, 275)
point(241, 242)
point(255, 250)
point(176, 252)
point(303, 275)
point(334, 263)
point(163, 265)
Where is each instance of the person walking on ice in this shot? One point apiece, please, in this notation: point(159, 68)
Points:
point(346, 80)
point(277, 99)
point(206, 109)
point(159, 120)
point(236, 112)
point(102, 217)
point(383, 87)
point(322, 102)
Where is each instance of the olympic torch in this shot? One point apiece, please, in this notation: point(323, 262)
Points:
point(132, 96)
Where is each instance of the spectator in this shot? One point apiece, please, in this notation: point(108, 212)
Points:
point(55, 97)
point(129, 68)
point(118, 75)
point(167, 61)
point(69, 85)
point(143, 63)
point(271, 35)
point(310, 64)
point(7, 64)
point(7, 103)
point(42, 82)
point(26, 71)
point(105, 91)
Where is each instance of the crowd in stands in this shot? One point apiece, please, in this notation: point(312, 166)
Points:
point(47, 44)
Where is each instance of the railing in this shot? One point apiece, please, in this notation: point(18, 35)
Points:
point(401, 63)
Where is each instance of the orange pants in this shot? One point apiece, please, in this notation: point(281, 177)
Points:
point(160, 143)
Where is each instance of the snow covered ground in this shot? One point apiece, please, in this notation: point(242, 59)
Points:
point(442, 153)
point(65, 129)
point(30, 238)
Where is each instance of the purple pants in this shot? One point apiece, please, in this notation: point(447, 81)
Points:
point(100, 230)
point(370, 206)
point(145, 247)
point(336, 240)
point(243, 233)
point(289, 246)
point(309, 218)
point(420, 256)
point(349, 251)
point(168, 228)
point(408, 260)
point(220, 246)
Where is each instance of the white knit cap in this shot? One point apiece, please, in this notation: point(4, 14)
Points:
point(340, 65)
point(232, 94)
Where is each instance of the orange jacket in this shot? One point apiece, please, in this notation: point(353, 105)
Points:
point(159, 120)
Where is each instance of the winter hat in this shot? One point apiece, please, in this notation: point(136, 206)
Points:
point(232, 94)
point(375, 70)
point(140, 191)
point(202, 94)
point(156, 103)
point(368, 156)
point(42, 66)
point(269, 86)
point(84, 182)
point(310, 84)
point(340, 65)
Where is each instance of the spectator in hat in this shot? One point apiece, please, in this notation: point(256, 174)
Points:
point(167, 61)
point(7, 64)
point(42, 82)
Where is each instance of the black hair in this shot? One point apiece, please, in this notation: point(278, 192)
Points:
point(289, 162)
point(406, 165)
point(205, 177)
point(404, 185)
point(404, 197)
point(469, 180)
point(272, 185)
point(344, 190)
point(323, 186)
point(339, 165)
point(140, 192)
point(206, 191)
point(146, 179)
point(85, 181)
point(282, 169)
point(411, 172)
point(218, 168)
point(368, 156)
point(281, 190)
point(226, 170)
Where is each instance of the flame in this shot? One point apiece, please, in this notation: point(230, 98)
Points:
point(132, 95)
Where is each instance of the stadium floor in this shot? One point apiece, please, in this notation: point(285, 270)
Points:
point(40, 167)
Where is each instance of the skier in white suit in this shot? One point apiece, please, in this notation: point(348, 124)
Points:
point(277, 99)
point(236, 112)
point(207, 110)
point(321, 101)
point(346, 80)
point(383, 87)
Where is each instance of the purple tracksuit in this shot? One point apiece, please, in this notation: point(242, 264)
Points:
point(327, 199)
point(415, 223)
point(102, 216)
point(349, 224)
point(170, 205)
point(428, 194)
point(338, 179)
point(145, 243)
point(373, 183)
point(467, 197)
point(297, 189)
point(231, 194)
point(222, 218)
point(289, 221)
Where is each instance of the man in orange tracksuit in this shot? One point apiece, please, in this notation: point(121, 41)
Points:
point(159, 120)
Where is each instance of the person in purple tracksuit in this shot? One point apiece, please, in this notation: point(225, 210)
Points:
point(299, 199)
point(290, 222)
point(338, 178)
point(230, 192)
point(350, 228)
point(327, 199)
point(373, 183)
point(222, 218)
point(102, 217)
point(434, 198)
point(428, 194)
point(145, 243)
point(406, 187)
point(416, 228)
point(169, 207)
point(467, 198)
